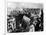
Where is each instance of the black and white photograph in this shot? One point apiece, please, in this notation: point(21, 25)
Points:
point(25, 17)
